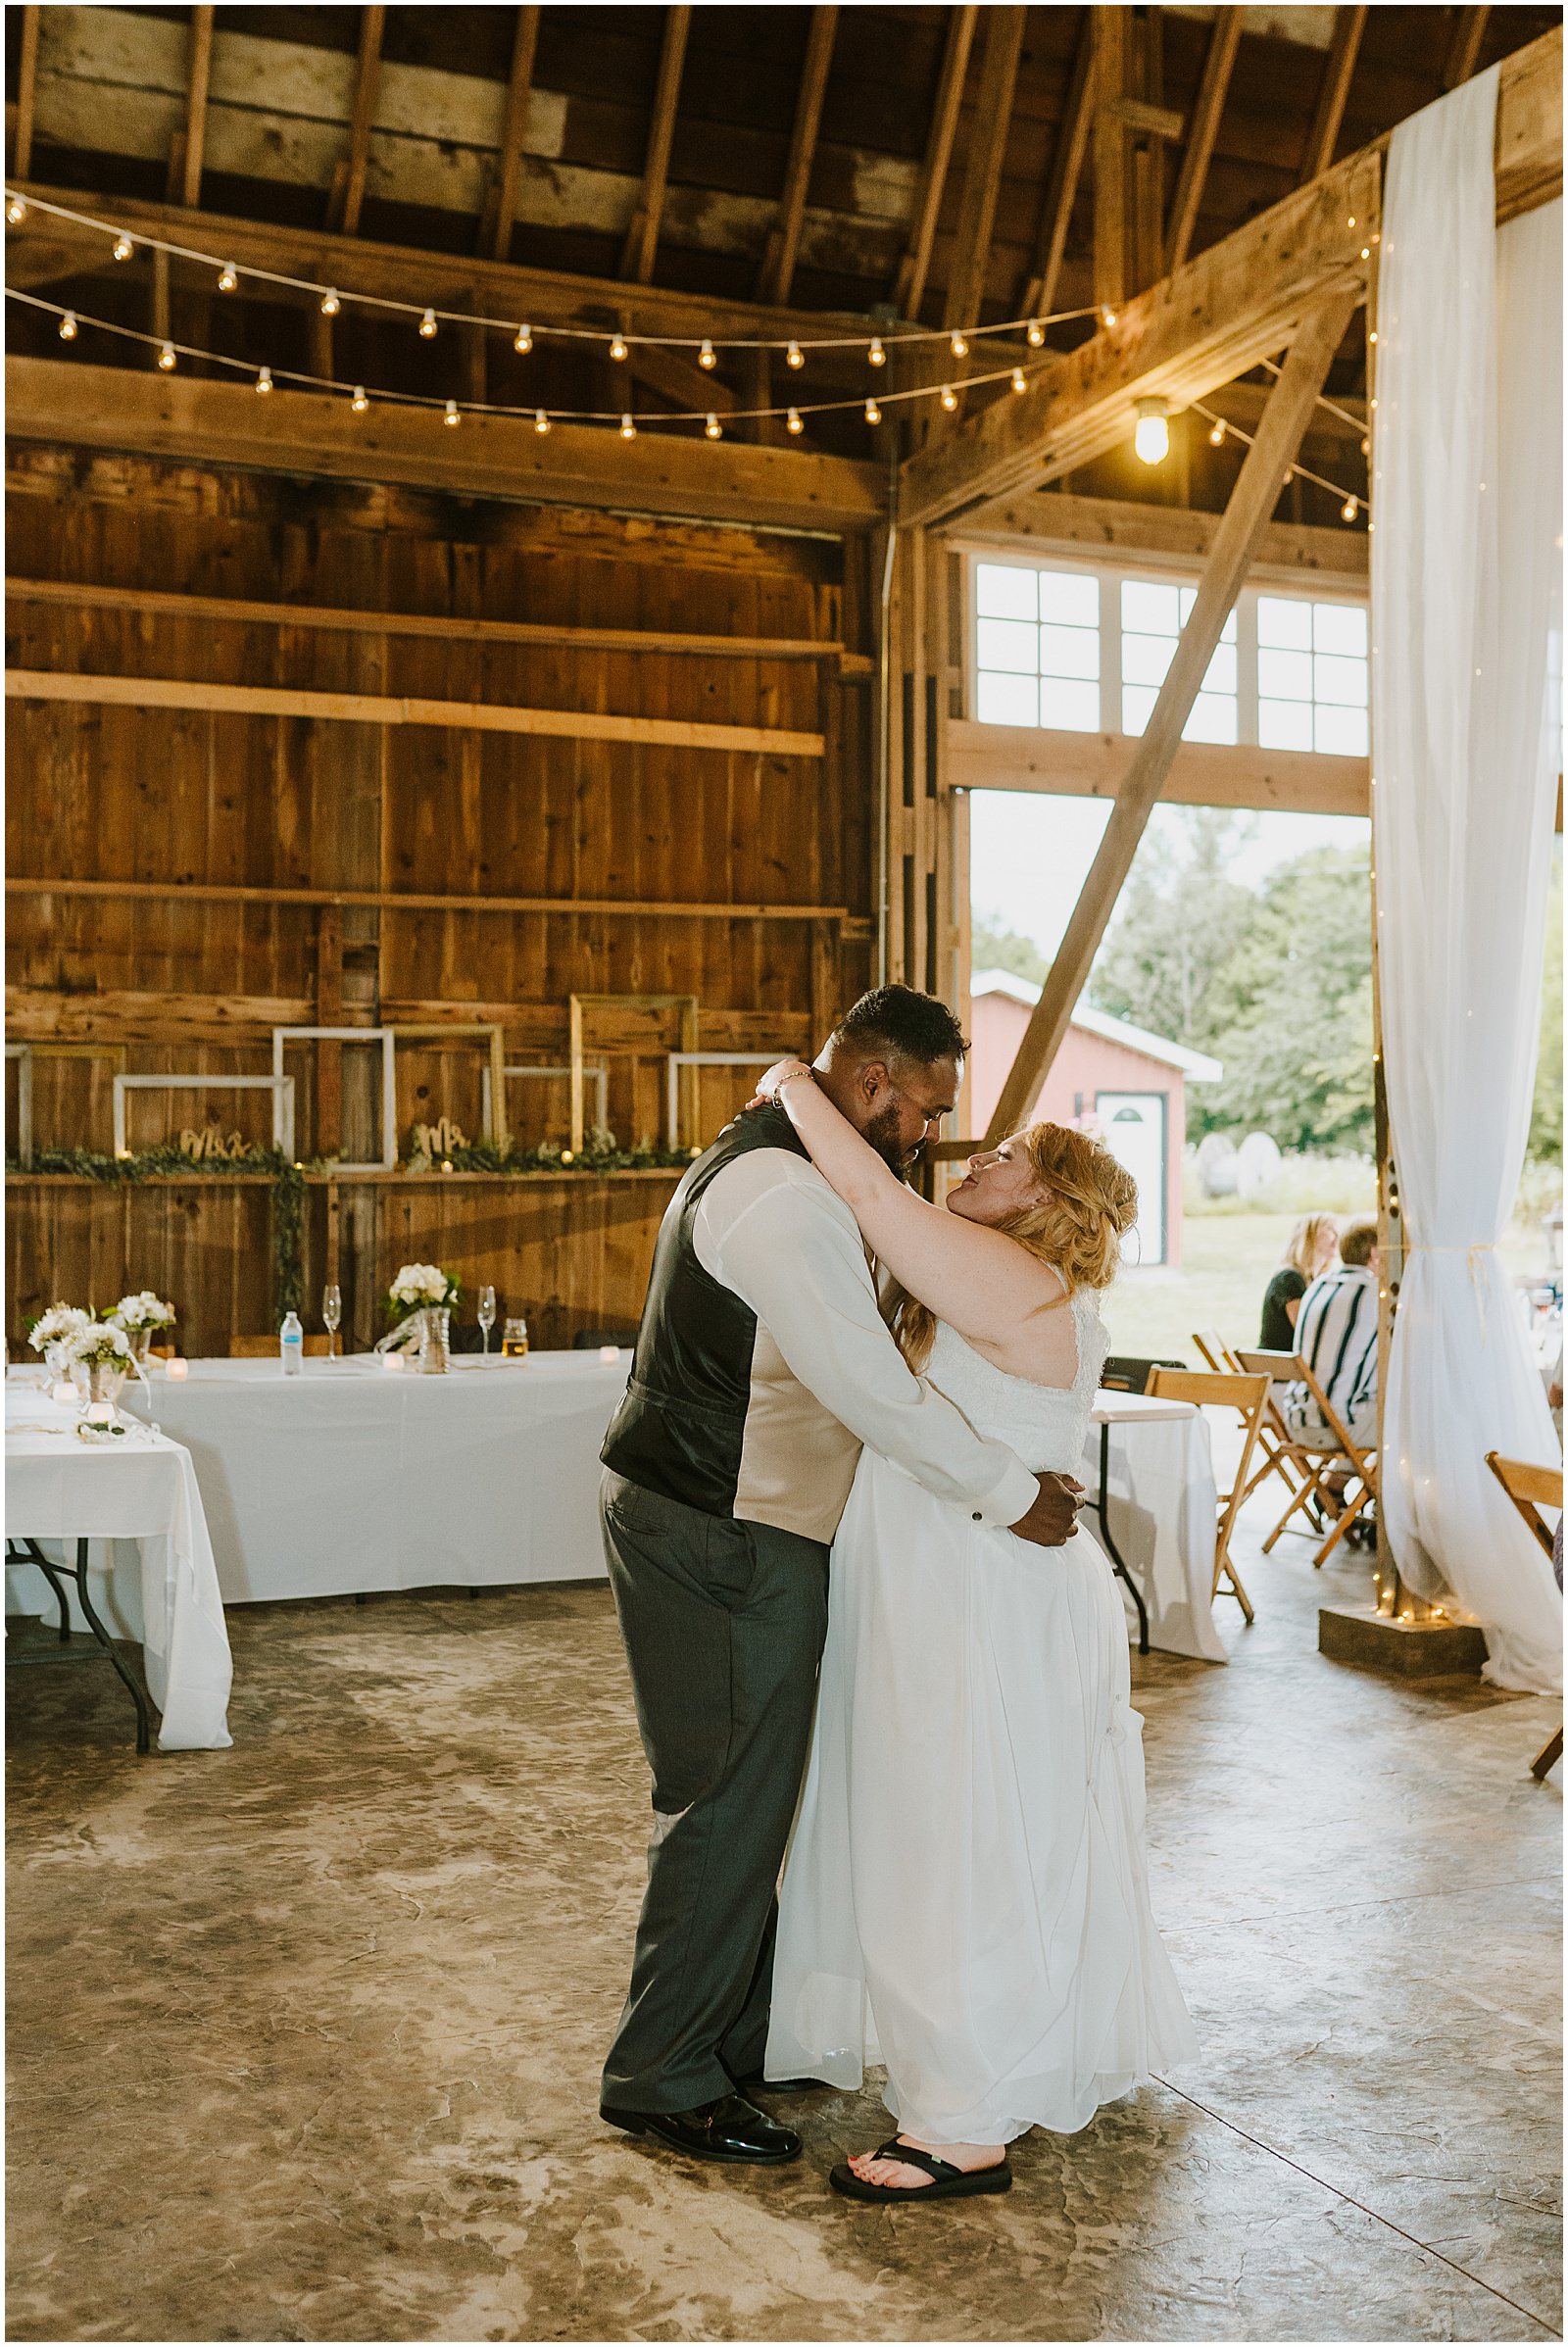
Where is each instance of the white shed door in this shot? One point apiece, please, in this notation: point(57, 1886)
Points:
point(1133, 1127)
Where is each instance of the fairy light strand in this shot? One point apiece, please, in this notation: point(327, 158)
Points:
point(1345, 497)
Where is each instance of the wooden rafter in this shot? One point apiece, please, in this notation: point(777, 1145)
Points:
point(1206, 117)
point(401, 901)
point(1324, 135)
point(515, 123)
point(1464, 50)
point(348, 185)
point(1246, 517)
point(909, 290)
point(1066, 169)
point(1113, 27)
point(190, 144)
point(64, 401)
point(27, 90)
point(982, 171)
point(642, 237)
point(784, 243)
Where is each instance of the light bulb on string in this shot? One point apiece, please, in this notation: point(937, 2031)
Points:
point(523, 341)
point(228, 278)
point(1372, 334)
point(68, 326)
point(628, 430)
point(428, 327)
point(704, 357)
point(959, 347)
point(712, 429)
point(122, 247)
point(1034, 334)
point(794, 356)
point(359, 403)
point(1349, 510)
point(16, 211)
point(452, 415)
point(873, 414)
point(617, 347)
point(264, 379)
point(330, 305)
point(1018, 379)
point(1217, 432)
point(950, 397)
point(1366, 444)
point(876, 356)
point(166, 358)
point(793, 422)
point(541, 421)
point(1152, 431)
point(1108, 316)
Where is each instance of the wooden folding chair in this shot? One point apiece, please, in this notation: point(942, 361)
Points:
point(1249, 1398)
point(1273, 1436)
point(1316, 1458)
point(1531, 1488)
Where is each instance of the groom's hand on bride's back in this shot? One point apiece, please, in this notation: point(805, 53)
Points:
point(1054, 1519)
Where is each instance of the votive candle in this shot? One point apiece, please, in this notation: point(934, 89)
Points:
point(176, 1369)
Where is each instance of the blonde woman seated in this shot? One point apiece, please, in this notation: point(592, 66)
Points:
point(965, 1894)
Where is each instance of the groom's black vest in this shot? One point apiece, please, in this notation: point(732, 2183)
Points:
point(680, 1429)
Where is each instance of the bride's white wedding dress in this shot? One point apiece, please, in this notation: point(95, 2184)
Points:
point(965, 1896)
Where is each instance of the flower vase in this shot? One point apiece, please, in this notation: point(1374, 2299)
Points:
point(139, 1340)
point(103, 1391)
point(435, 1341)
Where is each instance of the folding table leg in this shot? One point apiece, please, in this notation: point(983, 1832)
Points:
point(143, 1722)
point(1548, 1757)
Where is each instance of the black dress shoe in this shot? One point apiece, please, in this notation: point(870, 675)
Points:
point(730, 2128)
point(756, 2083)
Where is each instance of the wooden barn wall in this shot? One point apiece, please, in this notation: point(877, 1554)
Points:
point(167, 798)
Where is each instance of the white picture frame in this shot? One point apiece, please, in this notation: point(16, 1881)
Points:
point(281, 1088)
point(387, 1162)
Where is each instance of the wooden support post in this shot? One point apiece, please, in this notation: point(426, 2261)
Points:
point(982, 175)
point(27, 90)
point(160, 300)
point(1324, 135)
point(908, 288)
point(328, 1013)
point(189, 149)
point(1066, 169)
point(348, 183)
point(1464, 51)
point(784, 243)
point(1206, 117)
point(1252, 502)
point(1111, 45)
point(515, 123)
point(642, 237)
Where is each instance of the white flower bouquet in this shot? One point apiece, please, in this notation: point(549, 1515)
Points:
point(100, 1344)
point(420, 1288)
point(53, 1328)
point(143, 1311)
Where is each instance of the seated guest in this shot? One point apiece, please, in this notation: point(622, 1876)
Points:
point(1312, 1250)
point(1337, 1336)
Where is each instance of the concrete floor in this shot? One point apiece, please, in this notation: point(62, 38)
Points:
point(305, 2036)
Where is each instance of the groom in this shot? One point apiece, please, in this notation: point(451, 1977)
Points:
point(763, 1366)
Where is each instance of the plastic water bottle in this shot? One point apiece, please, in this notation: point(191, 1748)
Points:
point(291, 1345)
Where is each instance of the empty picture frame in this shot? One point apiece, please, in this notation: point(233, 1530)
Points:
point(591, 1067)
point(578, 1005)
point(492, 1092)
point(387, 1162)
point(26, 1055)
point(281, 1088)
point(680, 1059)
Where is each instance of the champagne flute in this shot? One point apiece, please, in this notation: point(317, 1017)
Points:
point(487, 1314)
point(332, 1317)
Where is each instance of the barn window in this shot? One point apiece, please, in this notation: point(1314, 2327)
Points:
point(1036, 647)
point(1311, 675)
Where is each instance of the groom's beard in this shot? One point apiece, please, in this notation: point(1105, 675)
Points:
point(883, 1135)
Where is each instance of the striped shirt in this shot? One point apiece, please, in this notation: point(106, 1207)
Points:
point(1336, 1334)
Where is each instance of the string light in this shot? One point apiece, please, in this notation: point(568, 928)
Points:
point(228, 278)
point(1034, 333)
point(523, 341)
point(950, 397)
point(68, 326)
point(1217, 432)
point(1349, 501)
point(16, 211)
point(1108, 316)
point(959, 347)
point(793, 422)
point(628, 430)
point(330, 305)
point(712, 429)
point(452, 415)
point(704, 357)
point(794, 356)
point(359, 403)
point(1018, 379)
point(264, 379)
point(1351, 508)
point(541, 421)
point(1372, 334)
point(122, 247)
point(873, 414)
point(428, 327)
point(1366, 444)
point(1152, 433)
point(876, 356)
point(617, 348)
point(166, 357)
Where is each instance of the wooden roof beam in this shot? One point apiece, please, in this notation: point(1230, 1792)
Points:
point(21, 127)
point(982, 175)
point(1324, 135)
point(1246, 517)
point(1206, 117)
point(908, 288)
point(1464, 50)
point(1220, 314)
point(1113, 27)
point(348, 183)
point(784, 243)
point(226, 427)
point(1066, 169)
point(188, 152)
point(496, 231)
point(642, 237)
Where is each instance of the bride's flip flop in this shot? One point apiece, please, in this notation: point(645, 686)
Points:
point(947, 2181)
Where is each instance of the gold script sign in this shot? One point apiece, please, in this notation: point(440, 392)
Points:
point(210, 1143)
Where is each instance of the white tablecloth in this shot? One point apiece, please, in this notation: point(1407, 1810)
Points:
point(351, 1477)
point(141, 1499)
point(1162, 1515)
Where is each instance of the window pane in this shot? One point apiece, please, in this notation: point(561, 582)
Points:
point(1007, 644)
point(1212, 720)
point(1285, 725)
point(1146, 659)
point(1343, 681)
point(1137, 701)
point(1003, 593)
point(1221, 675)
point(1071, 596)
point(1073, 707)
point(1341, 730)
point(1340, 627)
point(1007, 700)
point(1285, 620)
point(1227, 634)
point(1148, 610)
point(1069, 652)
point(1285, 675)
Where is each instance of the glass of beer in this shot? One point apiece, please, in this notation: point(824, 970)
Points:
point(514, 1340)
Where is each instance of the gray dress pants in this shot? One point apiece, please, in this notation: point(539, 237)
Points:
point(724, 1624)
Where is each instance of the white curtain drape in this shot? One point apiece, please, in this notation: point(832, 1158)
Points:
point(1466, 560)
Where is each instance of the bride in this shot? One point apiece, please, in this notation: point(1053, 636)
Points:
point(965, 1894)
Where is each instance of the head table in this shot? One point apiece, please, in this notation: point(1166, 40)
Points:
point(351, 1478)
